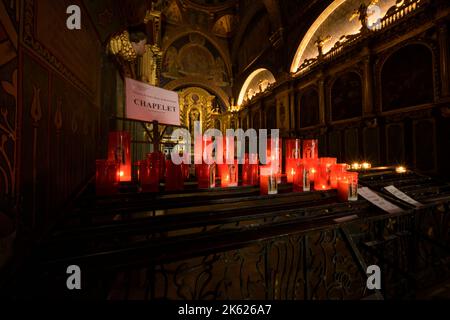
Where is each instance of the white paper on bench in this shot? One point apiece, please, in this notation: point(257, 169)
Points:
point(378, 201)
point(402, 196)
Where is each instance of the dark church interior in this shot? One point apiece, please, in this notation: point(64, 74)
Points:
point(348, 200)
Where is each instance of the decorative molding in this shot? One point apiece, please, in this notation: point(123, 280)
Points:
point(199, 82)
point(8, 133)
point(29, 40)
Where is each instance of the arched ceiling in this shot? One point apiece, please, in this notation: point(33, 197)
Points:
point(334, 22)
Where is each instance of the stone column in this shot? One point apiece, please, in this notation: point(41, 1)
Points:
point(322, 101)
point(292, 107)
point(368, 86)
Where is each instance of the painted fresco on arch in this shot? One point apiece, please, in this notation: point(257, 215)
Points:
point(194, 56)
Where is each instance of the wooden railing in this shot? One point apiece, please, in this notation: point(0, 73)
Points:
point(397, 14)
point(393, 16)
point(290, 246)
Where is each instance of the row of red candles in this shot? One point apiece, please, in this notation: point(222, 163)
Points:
point(325, 173)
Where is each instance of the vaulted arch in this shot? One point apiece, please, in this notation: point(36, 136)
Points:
point(222, 51)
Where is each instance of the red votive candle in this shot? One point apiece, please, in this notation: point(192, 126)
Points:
point(322, 179)
point(299, 184)
point(274, 152)
point(206, 175)
point(224, 175)
point(310, 149)
point(292, 155)
point(312, 166)
point(186, 171)
point(174, 176)
point(149, 172)
point(293, 148)
point(291, 165)
point(106, 177)
point(348, 187)
point(229, 175)
point(137, 167)
point(161, 159)
point(268, 181)
point(337, 171)
point(250, 170)
point(119, 149)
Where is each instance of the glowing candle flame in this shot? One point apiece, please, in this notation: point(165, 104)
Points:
point(400, 169)
point(366, 166)
point(356, 166)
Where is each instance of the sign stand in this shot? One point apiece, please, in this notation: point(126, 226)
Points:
point(154, 135)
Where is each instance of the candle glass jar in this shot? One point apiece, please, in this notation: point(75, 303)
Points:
point(313, 166)
point(268, 181)
point(310, 149)
point(323, 179)
point(250, 170)
point(206, 175)
point(306, 179)
point(298, 180)
point(337, 171)
point(229, 175)
point(161, 160)
point(293, 148)
point(348, 187)
point(293, 153)
point(274, 154)
point(106, 177)
point(149, 173)
point(119, 149)
point(174, 176)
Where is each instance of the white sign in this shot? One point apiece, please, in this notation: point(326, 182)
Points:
point(402, 196)
point(148, 103)
point(378, 201)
